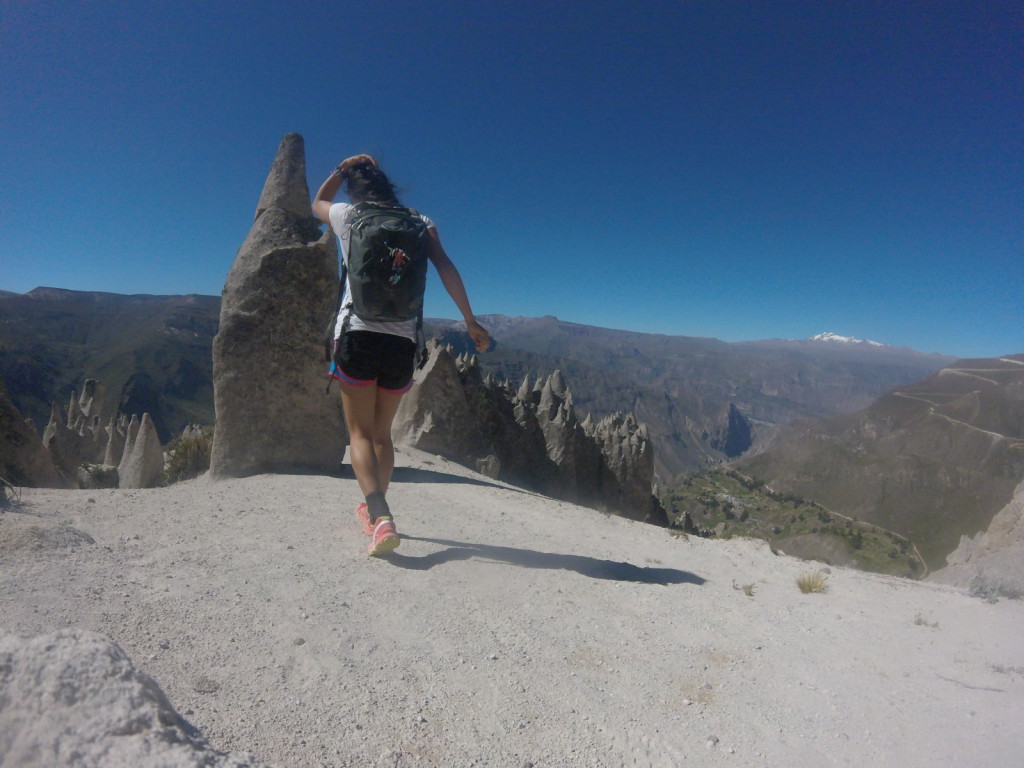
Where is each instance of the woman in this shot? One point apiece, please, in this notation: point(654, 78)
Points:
point(374, 360)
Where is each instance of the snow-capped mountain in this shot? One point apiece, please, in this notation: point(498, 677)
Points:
point(835, 338)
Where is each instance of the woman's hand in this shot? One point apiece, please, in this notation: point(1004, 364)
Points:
point(479, 335)
point(351, 162)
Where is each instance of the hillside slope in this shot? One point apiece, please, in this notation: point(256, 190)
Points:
point(508, 630)
point(933, 461)
point(150, 353)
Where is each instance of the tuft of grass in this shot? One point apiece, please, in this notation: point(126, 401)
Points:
point(188, 456)
point(812, 581)
point(746, 589)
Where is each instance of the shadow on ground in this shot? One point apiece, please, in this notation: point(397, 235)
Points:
point(527, 558)
point(412, 475)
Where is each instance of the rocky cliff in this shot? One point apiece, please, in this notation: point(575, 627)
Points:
point(529, 435)
point(991, 564)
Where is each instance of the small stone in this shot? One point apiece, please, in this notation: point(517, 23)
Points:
point(205, 685)
point(165, 644)
point(712, 742)
point(300, 641)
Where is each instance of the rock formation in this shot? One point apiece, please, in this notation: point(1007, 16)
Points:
point(991, 564)
point(74, 698)
point(268, 371)
point(131, 431)
point(23, 459)
point(76, 451)
point(143, 458)
point(529, 436)
point(117, 430)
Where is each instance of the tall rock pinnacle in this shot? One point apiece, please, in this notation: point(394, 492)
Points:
point(285, 187)
point(268, 369)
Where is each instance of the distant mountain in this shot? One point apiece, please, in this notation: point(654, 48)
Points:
point(704, 400)
point(837, 339)
point(933, 461)
point(150, 353)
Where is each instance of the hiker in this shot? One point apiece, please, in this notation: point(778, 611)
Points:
point(377, 332)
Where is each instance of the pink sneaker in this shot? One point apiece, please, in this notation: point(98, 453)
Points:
point(385, 537)
point(363, 513)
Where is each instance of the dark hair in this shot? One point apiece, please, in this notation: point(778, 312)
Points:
point(369, 183)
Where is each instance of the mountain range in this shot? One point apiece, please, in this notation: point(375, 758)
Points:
point(704, 400)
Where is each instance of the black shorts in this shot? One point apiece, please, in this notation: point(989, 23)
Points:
point(363, 358)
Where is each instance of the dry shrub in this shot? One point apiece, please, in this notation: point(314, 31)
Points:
point(812, 581)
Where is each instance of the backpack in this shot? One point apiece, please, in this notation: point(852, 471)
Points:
point(388, 254)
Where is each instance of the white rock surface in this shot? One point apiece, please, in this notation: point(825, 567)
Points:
point(508, 629)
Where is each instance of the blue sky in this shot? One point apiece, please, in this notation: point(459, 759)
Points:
point(740, 170)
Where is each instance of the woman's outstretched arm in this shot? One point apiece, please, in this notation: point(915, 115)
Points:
point(452, 281)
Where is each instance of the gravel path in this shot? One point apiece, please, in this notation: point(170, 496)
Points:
point(508, 630)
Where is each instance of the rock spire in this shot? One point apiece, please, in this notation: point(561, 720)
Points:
point(268, 370)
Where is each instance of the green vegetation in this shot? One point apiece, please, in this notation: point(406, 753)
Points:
point(725, 503)
point(188, 456)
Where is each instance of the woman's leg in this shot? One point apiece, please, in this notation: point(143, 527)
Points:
point(360, 405)
point(369, 413)
point(383, 448)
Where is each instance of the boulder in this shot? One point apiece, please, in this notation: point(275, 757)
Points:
point(74, 698)
point(269, 378)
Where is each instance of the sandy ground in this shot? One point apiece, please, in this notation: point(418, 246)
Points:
point(508, 630)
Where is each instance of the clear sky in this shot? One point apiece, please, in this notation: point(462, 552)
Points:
point(740, 170)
